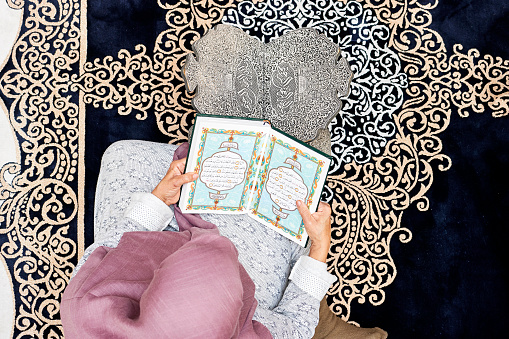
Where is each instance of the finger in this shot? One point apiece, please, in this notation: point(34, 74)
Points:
point(176, 168)
point(177, 164)
point(322, 205)
point(324, 208)
point(181, 165)
point(182, 179)
point(304, 212)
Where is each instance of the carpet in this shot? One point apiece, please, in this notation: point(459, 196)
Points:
point(418, 186)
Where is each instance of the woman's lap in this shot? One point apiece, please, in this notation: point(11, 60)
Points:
point(127, 167)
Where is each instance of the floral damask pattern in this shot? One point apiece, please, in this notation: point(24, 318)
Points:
point(369, 199)
point(364, 124)
point(41, 203)
point(46, 75)
point(478, 81)
point(152, 81)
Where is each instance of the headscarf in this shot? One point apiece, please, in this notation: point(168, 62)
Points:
point(186, 284)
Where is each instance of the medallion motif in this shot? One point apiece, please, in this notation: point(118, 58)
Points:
point(406, 86)
point(364, 124)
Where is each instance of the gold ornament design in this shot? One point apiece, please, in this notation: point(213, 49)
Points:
point(369, 200)
point(478, 81)
point(15, 4)
point(44, 201)
point(146, 81)
point(41, 202)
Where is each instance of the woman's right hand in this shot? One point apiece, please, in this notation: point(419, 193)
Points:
point(168, 190)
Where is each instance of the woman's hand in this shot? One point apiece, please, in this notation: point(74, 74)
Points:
point(318, 227)
point(168, 190)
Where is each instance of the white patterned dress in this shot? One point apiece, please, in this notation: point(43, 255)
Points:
point(289, 284)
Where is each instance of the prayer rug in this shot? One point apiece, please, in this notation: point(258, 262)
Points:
point(419, 184)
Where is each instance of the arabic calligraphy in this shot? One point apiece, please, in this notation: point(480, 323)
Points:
point(280, 214)
point(223, 171)
point(285, 187)
point(227, 144)
point(293, 163)
point(215, 196)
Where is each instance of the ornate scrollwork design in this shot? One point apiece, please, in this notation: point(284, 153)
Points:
point(377, 172)
point(369, 199)
point(39, 199)
point(40, 203)
point(364, 124)
point(368, 193)
point(479, 81)
point(16, 4)
point(368, 202)
point(145, 81)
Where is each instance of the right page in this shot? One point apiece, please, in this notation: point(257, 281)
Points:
point(291, 171)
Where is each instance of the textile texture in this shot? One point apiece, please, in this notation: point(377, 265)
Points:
point(170, 288)
point(136, 166)
point(418, 186)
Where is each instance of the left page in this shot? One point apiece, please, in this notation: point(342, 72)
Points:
point(225, 153)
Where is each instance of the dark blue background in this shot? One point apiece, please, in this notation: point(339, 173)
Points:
point(114, 25)
point(452, 279)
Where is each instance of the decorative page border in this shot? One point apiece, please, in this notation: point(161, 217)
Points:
point(252, 175)
point(203, 138)
point(263, 176)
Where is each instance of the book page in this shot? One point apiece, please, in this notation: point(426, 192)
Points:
point(224, 153)
point(292, 171)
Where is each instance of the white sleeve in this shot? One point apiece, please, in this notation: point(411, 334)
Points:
point(311, 276)
point(149, 211)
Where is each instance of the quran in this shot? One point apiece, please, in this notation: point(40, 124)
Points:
point(246, 166)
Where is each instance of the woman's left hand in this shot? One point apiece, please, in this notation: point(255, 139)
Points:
point(168, 190)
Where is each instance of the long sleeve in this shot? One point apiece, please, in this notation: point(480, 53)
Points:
point(149, 212)
point(288, 308)
point(145, 212)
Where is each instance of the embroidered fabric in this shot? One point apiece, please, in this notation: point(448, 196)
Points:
point(149, 211)
point(312, 277)
point(129, 167)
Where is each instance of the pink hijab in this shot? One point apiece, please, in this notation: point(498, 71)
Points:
point(186, 284)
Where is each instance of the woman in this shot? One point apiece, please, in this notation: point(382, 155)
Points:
point(188, 284)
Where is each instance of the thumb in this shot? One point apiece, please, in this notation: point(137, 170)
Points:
point(323, 208)
point(304, 212)
point(184, 179)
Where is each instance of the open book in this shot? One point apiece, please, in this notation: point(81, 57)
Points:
point(246, 166)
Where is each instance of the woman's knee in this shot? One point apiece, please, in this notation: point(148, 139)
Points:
point(119, 148)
